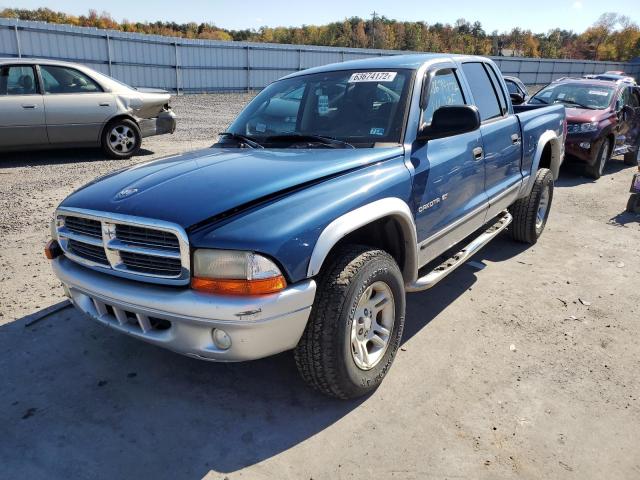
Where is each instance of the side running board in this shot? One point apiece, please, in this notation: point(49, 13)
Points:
point(434, 276)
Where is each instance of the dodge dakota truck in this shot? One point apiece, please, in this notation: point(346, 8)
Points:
point(335, 191)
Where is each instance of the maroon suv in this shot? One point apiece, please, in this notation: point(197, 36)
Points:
point(603, 120)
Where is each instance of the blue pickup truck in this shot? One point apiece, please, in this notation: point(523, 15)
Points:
point(334, 192)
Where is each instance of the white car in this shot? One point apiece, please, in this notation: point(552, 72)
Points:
point(50, 104)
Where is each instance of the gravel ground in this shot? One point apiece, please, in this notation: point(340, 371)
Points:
point(526, 368)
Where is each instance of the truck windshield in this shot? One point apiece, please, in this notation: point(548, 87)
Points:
point(577, 95)
point(348, 108)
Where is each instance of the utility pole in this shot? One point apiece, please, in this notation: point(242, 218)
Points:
point(373, 29)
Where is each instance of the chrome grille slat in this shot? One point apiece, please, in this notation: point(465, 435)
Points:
point(88, 251)
point(146, 236)
point(84, 226)
point(126, 246)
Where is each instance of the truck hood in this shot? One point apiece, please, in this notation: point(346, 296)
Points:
point(195, 187)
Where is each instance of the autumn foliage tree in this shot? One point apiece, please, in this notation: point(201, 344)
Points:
point(611, 37)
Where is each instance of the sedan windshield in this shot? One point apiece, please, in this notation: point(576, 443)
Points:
point(576, 95)
point(340, 109)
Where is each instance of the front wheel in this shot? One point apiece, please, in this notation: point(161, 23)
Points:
point(356, 323)
point(530, 213)
point(596, 169)
point(632, 158)
point(121, 139)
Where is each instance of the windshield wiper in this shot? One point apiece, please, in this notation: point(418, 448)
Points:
point(571, 102)
point(302, 137)
point(250, 142)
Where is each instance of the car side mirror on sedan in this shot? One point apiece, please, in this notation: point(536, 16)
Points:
point(517, 98)
point(450, 120)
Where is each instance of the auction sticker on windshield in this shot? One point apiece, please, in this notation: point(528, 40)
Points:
point(373, 77)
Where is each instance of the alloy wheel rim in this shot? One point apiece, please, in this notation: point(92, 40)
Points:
point(603, 158)
point(122, 139)
point(372, 325)
point(543, 207)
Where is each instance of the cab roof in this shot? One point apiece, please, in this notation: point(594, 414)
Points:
point(408, 62)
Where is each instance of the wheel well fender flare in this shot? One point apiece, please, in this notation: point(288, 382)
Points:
point(120, 116)
point(548, 137)
point(362, 216)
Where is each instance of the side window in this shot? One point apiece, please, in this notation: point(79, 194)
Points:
point(444, 89)
point(66, 80)
point(631, 97)
point(18, 80)
point(512, 87)
point(498, 88)
point(482, 90)
point(635, 97)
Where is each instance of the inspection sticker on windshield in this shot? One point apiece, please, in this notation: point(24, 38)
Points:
point(373, 77)
point(602, 93)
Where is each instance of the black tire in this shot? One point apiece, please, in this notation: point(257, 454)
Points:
point(526, 227)
point(633, 204)
point(324, 354)
point(632, 158)
point(599, 163)
point(131, 139)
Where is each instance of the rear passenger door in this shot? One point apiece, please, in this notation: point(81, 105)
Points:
point(22, 120)
point(500, 131)
point(76, 105)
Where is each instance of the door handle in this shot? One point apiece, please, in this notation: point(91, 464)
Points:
point(105, 104)
point(29, 106)
point(477, 153)
point(515, 139)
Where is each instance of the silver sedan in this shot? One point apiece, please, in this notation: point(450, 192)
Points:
point(48, 104)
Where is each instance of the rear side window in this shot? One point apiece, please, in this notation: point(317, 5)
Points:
point(66, 80)
point(482, 90)
point(444, 89)
point(18, 80)
point(498, 88)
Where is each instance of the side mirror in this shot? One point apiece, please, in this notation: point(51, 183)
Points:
point(450, 120)
point(517, 98)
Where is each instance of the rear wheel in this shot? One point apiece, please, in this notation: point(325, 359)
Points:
point(356, 323)
point(596, 169)
point(121, 139)
point(530, 213)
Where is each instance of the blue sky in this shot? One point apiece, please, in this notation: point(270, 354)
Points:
point(538, 16)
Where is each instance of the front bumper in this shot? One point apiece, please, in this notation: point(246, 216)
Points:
point(182, 320)
point(163, 123)
point(582, 146)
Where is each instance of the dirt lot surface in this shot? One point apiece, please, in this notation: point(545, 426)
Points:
point(526, 368)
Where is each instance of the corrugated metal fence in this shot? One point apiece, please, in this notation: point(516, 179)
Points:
point(185, 65)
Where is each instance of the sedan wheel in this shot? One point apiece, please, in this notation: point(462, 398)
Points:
point(121, 139)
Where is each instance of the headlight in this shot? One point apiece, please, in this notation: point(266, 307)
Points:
point(235, 273)
point(586, 127)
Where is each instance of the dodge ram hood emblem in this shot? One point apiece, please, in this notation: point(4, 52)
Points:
point(127, 192)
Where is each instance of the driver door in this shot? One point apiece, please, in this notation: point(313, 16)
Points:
point(449, 182)
point(630, 117)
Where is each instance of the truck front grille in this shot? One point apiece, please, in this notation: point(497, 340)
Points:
point(126, 246)
point(87, 251)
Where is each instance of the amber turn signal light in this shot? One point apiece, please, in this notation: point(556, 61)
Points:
point(261, 286)
point(52, 249)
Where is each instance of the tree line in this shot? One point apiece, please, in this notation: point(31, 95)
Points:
point(612, 36)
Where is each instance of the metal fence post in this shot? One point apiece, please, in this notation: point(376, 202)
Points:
point(109, 54)
point(15, 29)
point(248, 68)
point(177, 68)
point(299, 59)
